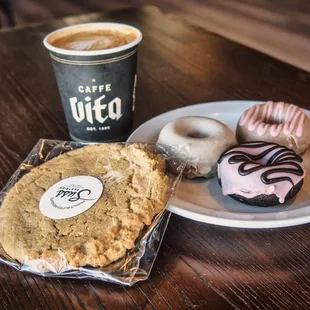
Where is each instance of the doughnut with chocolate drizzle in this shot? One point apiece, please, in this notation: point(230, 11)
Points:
point(260, 173)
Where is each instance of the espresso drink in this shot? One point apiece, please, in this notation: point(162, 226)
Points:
point(94, 40)
point(95, 66)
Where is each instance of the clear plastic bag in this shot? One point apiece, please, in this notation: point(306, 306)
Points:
point(137, 263)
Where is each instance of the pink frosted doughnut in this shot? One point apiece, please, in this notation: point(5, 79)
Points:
point(260, 173)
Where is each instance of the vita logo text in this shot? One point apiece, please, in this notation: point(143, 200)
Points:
point(97, 109)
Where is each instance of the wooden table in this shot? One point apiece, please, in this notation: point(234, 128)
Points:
point(199, 266)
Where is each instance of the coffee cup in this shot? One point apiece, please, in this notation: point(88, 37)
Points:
point(95, 66)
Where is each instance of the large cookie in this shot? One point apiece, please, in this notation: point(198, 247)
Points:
point(135, 190)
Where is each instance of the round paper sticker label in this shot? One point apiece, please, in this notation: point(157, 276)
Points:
point(70, 197)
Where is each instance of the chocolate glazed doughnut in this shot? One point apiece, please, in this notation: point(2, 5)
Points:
point(260, 173)
point(275, 122)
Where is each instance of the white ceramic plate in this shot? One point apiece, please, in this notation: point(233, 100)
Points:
point(202, 200)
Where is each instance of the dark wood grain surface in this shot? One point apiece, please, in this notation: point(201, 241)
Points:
point(279, 28)
point(199, 266)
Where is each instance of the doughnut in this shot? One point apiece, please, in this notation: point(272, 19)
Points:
point(203, 138)
point(275, 122)
point(260, 173)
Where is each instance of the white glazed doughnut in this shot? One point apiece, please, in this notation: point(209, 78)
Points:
point(205, 139)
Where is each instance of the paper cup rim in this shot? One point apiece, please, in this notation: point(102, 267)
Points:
point(107, 51)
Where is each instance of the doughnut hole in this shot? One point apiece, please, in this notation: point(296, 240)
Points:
point(197, 134)
point(190, 130)
point(274, 120)
point(262, 162)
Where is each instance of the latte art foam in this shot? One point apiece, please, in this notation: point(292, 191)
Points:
point(94, 40)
